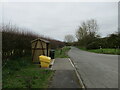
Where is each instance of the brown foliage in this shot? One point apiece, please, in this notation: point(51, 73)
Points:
point(17, 43)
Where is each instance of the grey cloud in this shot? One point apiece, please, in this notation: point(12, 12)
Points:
point(58, 19)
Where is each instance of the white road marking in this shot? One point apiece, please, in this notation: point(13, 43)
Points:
point(71, 63)
point(52, 63)
point(80, 81)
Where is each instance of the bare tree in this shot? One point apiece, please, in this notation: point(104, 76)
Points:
point(69, 38)
point(92, 27)
point(81, 32)
point(87, 31)
point(89, 27)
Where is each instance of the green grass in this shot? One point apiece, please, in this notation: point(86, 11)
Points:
point(24, 74)
point(62, 53)
point(106, 51)
point(82, 48)
point(103, 51)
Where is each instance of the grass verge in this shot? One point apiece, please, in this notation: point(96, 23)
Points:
point(62, 53)
point(103, 51)
point(21, 73)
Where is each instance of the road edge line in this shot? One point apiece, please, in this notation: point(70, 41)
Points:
point(52, 63)
point(77, 74)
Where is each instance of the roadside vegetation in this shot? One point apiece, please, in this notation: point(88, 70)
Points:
point(89, 39)
point(62, 52)
point(103, 51)
point(18, 71)
point(16, 41)
point(22, 73)
point(106, 51)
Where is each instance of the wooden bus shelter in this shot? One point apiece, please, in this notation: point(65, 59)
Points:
point(39, 47)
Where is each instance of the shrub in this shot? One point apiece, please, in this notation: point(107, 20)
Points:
point(16, 42)
point(93, 45)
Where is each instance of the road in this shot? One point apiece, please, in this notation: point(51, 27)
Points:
point(96, 70)
point(64, 76)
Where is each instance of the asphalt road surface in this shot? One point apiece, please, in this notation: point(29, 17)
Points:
point(64, 76)
point(96, 70)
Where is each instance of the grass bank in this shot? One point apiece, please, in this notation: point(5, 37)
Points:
point(103, 51)
point(62, 53)
point(21, 73)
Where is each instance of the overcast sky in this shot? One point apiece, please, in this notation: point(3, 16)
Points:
point(59, 19)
